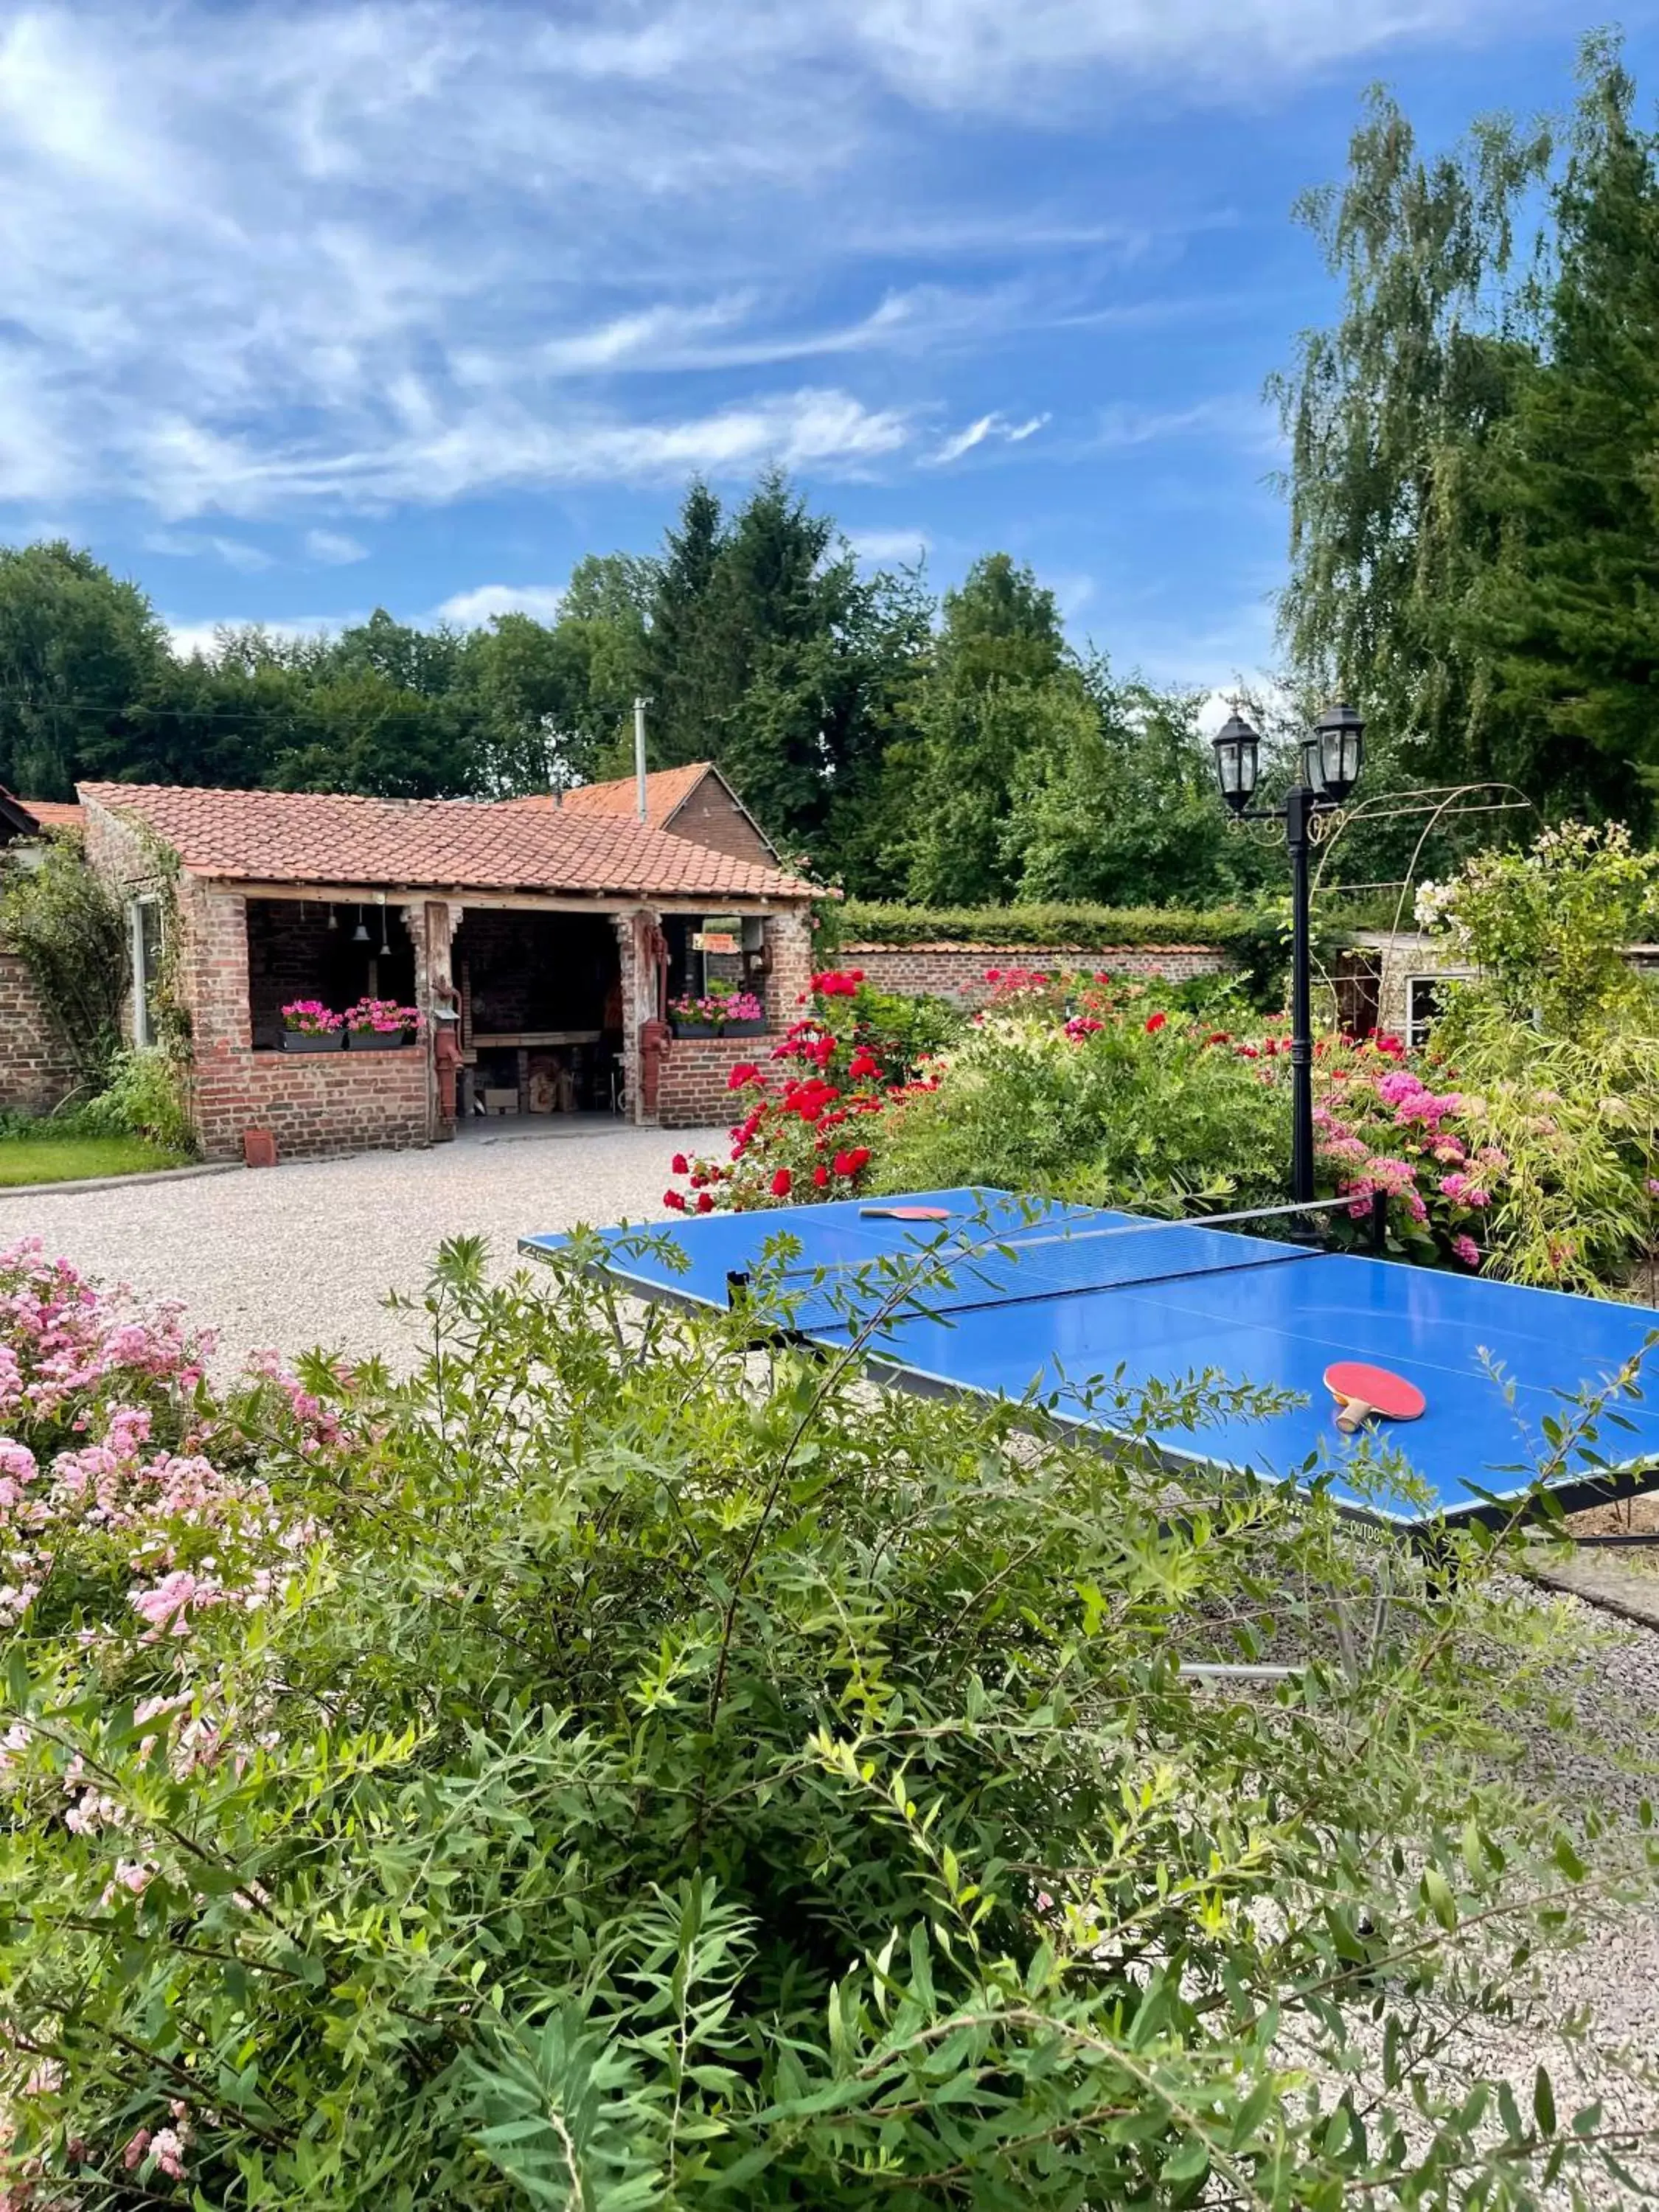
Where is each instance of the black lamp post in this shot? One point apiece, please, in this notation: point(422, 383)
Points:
point(1333, 755)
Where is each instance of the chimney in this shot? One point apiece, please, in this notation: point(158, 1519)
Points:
point(639, 706)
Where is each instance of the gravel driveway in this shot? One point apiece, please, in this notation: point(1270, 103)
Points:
point(302, 1254)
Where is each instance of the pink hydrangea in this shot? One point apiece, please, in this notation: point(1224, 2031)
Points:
point(1465, 1248)
point(1397, 1086)
point(1464, 1190)
point(1394, 1176)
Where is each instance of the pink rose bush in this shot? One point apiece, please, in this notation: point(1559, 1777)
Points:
point(142, 1535)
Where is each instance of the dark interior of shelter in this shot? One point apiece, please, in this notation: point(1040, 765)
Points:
point(306, 949)
point(541, 1012)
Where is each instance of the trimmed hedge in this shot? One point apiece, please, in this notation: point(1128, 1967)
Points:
point(1253, 938)
point(1256, 939)
point(1089, 928)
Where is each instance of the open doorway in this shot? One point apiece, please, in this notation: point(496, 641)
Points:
point(541, 1013)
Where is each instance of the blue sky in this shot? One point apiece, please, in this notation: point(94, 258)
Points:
point(310, 309)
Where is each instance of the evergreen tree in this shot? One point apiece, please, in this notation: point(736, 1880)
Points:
point(686, 688)
point(1003, 690)
point(775, 612)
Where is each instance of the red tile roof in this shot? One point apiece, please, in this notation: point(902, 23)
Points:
point(52, 813)
point(667, 790)
point(436, 844)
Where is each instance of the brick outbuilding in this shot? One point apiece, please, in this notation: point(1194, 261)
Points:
point(546, 938)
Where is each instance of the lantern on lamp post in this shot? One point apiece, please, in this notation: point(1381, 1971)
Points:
point(1332, 756)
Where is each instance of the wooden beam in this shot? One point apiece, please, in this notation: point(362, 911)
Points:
point(527, 901)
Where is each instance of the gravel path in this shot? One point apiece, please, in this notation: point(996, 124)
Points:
point(302, 1254)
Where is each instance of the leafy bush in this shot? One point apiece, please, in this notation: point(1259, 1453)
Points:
point(72, 936)
point(1118, 1101)
point(613, 1770)
point(1577, 1118)
point(1548, 928)
point(1084, 928)
point(143, 1097)
point(1557, 1039)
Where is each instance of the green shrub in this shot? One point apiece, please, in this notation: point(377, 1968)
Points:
point(1087, 928)
point(143, 1097)
point(653, 1774)
point(1548, 928)
point(1577, 1118)
point(904, 1031)
point(1117, 1116)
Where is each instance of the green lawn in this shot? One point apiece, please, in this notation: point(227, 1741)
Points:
point(62, 1159)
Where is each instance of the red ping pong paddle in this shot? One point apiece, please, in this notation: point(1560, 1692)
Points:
point(1361, 1391)
point(904, 1213)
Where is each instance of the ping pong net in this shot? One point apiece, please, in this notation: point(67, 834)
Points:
point(954, 1273)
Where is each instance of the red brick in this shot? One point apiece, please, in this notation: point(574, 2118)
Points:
point(36, 1070)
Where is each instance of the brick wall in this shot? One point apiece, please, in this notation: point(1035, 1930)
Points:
point(958, 971)
point(36, 1071)
point(317, 1105)
point(711, 816)
point(789, 976)
point(692, 1092)
point(695, 1090)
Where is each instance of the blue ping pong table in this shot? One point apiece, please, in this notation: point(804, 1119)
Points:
point(1019, 1296)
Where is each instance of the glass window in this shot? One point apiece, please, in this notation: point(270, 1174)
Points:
point(1423, 1003)
point(147, 948)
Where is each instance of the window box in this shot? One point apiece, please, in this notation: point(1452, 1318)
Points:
point(300, 1040)
point(378, 1040)
point(684, 1026)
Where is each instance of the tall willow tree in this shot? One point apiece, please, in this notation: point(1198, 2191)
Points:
point(1569, 613)
point(1390, 415)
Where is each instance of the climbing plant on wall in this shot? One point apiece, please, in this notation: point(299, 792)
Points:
point(71, 935)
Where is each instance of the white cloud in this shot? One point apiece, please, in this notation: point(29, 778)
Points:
point(207, 637)
point(1240, 419)
point(881, 547)
point(472, 609)
point(988, 426)
point(985, 54)
point(263, 261)
point(334, 548)
point(235, 552)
